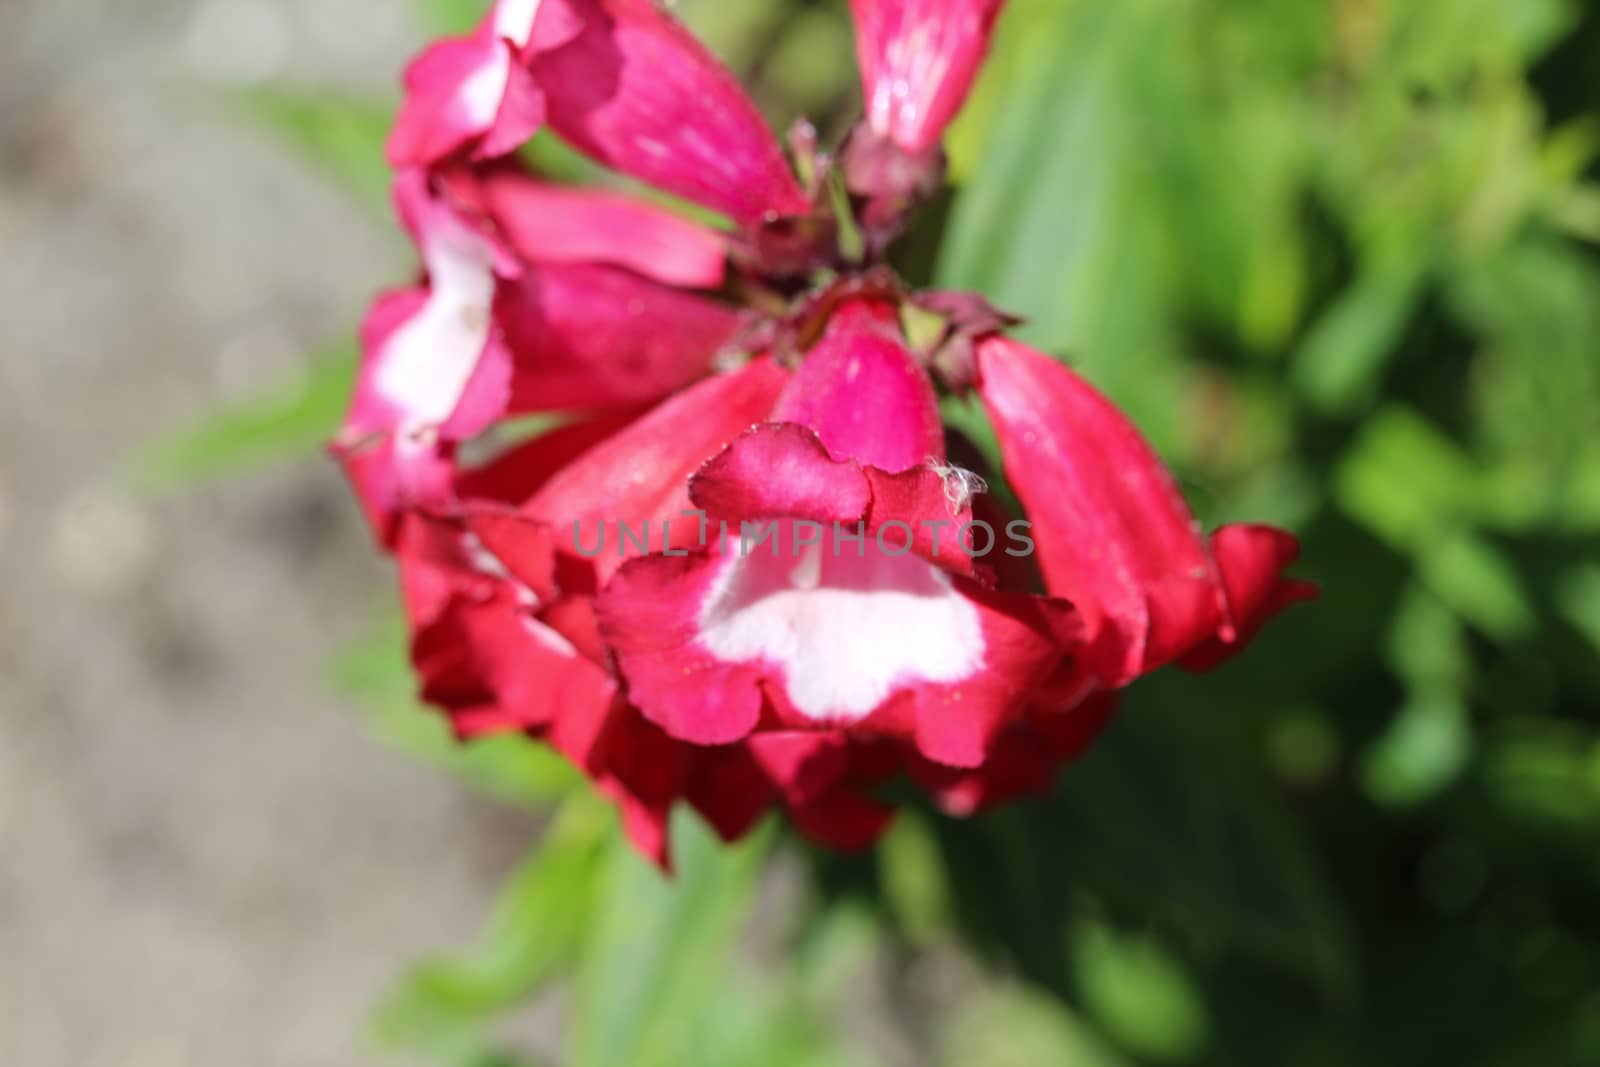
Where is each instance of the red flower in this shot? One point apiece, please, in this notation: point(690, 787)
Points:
point(745, 571)
point(1115, 535)
point(884, 633)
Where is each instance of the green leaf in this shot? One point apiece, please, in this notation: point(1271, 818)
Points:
point(914, 883)
point(450, 17)
point(533, 933)
point(1139, 993)
point(657, 957)
point(1425, 748)
point(1010, 1026)
point(289, 420)
point(1338, 363)
point(1479, 582)
point(1148, 810)
point(1052, 225)
point(1578, 595)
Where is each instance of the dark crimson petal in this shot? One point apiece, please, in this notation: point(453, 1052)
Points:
point(729, 789)
point(844, 820)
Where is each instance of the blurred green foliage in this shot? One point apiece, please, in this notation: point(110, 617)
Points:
point(1338, 260)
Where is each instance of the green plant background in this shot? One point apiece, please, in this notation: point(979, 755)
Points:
point(1338, 261)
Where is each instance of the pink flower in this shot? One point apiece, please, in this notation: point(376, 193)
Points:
point(750, 568)
point(888, 633)
point(500, 607)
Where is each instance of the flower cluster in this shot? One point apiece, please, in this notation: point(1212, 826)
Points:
point(873, 614)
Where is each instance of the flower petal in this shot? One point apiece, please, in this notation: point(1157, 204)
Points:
point(782, 471)
point(639, 476)
point(480, 653)
point(1114, 533)
point(832, 640)
point(844, 820)
point(864, 393)
point(584, 336)
point(729, 790)
point(465, 95)
point(1024, 759)
point(647, 615)
point(1252, 560)
point(918, 60)
point(636, 91)
point(514, 475)
point(431, 358)
point(548, 223)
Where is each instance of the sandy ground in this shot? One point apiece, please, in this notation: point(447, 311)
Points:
point(203, 858)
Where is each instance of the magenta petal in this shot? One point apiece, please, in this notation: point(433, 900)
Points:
point(487, 394)
point(432, 362)
point(565, 224)
point(520, 116)
point(481, 655)
point(1114, 535)
point(584, 336)
point(522, 549)
point(640, 475)
point(781, 471)
point(876, 642)
point(929, 502)
point(463, 92)
point(393, 473)
point(918, 61)
point(1026, 641)
point(637, 92)
point(514, 475)
point(864, 393)
point(648, 614)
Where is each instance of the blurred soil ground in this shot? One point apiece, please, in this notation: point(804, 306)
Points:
point(203, 858)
